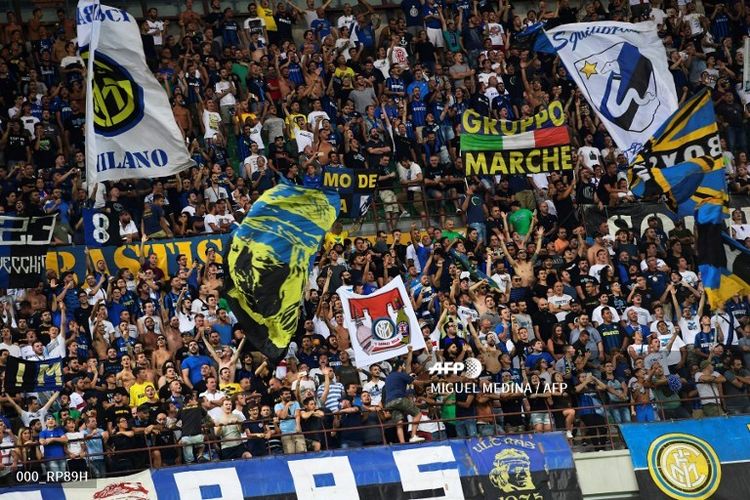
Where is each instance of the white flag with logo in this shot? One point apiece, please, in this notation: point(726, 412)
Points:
point(622, 70)
point(130, 129)
point(381, 325)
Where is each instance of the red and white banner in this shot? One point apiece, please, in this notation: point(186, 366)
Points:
point(381, 325)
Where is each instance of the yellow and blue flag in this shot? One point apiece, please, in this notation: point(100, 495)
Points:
point(269, 261)
point(684, 163)
point(683, 159)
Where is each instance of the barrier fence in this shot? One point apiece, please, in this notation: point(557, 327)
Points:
point(588, 435)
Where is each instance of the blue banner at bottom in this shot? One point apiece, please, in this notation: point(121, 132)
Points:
point(502, 467)
point(690, 460)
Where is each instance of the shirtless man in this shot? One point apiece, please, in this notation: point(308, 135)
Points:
point(337, 327)
point(523, 267)
point(227, 359)
point(125, 377)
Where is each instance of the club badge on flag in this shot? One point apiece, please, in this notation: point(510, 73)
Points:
point(381, 325)
point(130, 129)
point(622, 70)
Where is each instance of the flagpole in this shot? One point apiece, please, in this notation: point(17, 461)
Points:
point(90, 139)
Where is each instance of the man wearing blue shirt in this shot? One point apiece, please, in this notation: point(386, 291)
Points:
point(287, 412)
point(191, 365)
point(53, 439)
point(398, 402)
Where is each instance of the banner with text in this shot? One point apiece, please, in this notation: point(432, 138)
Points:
point(130, 129)
point(535, 152)
point(529, 466)
point(691, 459)
point(32, 376)
point(551, 116)
point(23, 244)
point(73, 258)
point(353, 186)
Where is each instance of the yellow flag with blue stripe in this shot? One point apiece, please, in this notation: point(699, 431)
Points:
point(269, 261)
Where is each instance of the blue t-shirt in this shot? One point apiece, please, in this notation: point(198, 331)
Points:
point(395, 385)
point(53, 451)
point(534, 358)
point(289, 425)
point(194, 363)
point(428, 10)
point(412, 12)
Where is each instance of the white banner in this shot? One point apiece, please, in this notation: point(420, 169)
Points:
point(137, 486)
point(130, 129)
point(381, 325)
point(622, 70)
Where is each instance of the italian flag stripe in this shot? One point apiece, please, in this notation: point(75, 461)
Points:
point(546, 137)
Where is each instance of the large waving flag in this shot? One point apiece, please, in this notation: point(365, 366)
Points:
point(683, 161)
point(622, 70)
point(130, 129)
point(270, 259)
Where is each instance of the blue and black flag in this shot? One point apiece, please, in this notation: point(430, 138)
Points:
point(270, 259)
point(683, 162)
point(32, 376)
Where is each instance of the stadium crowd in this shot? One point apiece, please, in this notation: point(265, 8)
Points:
point(153, 360)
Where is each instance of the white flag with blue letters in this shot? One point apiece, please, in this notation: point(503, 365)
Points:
point(622, 70)
point(130, 129)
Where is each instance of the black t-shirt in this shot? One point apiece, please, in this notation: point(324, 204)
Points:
point(15, 148)
point(355, 160)
point(585, 193)
point(116, 412)
point(601, 190)
point(545, 321)
point(284, 22)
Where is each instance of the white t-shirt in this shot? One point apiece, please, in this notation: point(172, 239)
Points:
point(689, 328)
point(252, 161)
point(559, 301)
point(75, 443)
point(591, 156)
point(212, 123)
point(375, 389)
point(741, 231)
point(689, 277)
point(674, 356)
point(398, 55)
point(28, 123)
point(12, 349)
point(383, 65)
point(313, 115)
point(410, 174)
point(228, 99)
point(345, 21)
point(707, 391)
point(496, 33)
point(596, 316)
point(208, 220)
point(155, 28)
point(694, 21)
point(643, 315)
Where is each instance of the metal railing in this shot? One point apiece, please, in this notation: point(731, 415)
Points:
point(602, 436)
